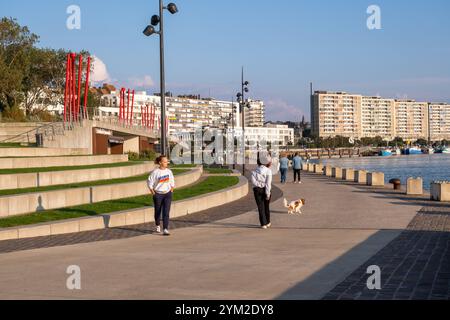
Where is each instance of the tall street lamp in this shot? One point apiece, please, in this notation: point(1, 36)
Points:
point(242, 104)
point(150, 30)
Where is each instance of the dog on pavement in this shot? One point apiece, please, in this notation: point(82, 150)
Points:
point(295, 206)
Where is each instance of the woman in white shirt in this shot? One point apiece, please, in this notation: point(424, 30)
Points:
point(262, 189)
point(161, 183)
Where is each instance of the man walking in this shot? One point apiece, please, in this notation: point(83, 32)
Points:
point(297, 164)
point(284, 167)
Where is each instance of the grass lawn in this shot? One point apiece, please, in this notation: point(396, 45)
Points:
point(84, 184)
point(15, 145)
point(209, 185)
point(218, 171)
point(182, 166)
point(52, 169)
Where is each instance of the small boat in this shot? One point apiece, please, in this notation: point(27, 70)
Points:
point(386, 153)
point(429, 150)
point(441, 149)
point(413, 151)
point(398, 152)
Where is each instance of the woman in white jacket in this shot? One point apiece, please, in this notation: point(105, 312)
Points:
point(161, 183)
point(262, 189)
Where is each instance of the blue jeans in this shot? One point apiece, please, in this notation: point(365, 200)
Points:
point(283, 175)
point(162, 203)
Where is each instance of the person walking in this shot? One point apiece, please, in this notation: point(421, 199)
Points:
point(161, 184)
point(262, 189)
point(297, 164)
point(284, 167)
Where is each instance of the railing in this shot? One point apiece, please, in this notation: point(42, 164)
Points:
point(49, 131)
point(135, 124)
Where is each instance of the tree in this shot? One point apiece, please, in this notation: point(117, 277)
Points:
point(422, 142)
point(15, 43)
point(30, 78)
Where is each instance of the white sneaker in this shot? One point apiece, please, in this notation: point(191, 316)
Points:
point(158, 229)
point(166, 232)
point(264, 227)
point(269, 225)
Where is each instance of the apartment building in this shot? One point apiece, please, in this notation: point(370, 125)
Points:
point(188, 113)
point(411, 119)
point(439, 121)
point(377, 117)
point(336, 114)
point(357, 116)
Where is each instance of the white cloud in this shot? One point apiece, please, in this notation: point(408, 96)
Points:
point(141, 82)
point(100, 71)
point(278, 109)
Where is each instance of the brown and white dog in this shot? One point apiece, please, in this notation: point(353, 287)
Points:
point(295, 206)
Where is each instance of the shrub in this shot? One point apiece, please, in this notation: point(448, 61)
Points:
point(133, 156)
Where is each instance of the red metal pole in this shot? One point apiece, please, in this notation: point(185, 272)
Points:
point(121, 105)
point(86, 89)
point(147, 117)
point(70, 89)
point(128, 106)
point(132, 109)
point(66, 88)
point(80, 71)
point(154, 118)
point(74, 89)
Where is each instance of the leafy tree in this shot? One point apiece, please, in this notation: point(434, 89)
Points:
point(15, 43)
point(422, 142)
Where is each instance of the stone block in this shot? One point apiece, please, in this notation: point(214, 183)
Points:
point(440, 191)
point(348, 175)
point(361, 176)
point(318, 168)
point(375, 179)
point(337, 173)
point(328, 171)
point(414, 186)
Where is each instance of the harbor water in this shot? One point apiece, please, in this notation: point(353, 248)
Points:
point(435, 167)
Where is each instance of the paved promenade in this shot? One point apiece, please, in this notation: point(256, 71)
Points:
point(301, 257)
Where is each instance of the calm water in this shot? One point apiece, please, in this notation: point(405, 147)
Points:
point(429, 167)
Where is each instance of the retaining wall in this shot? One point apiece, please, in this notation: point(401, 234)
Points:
point(34, 180)
point(127, 218)
point(41, 162)
point(35, 202)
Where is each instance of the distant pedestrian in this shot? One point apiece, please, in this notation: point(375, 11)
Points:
point(297, 164)
point(284, 167)
point(161, 183)
point(262, 189)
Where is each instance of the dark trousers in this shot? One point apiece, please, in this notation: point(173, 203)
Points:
point(284, 173)
point(263, 205)
point(297, 173)
point(162, 203)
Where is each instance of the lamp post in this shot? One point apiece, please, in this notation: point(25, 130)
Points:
point(150, 30)
point(242, 104)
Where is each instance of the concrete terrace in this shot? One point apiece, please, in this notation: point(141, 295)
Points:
point(301, 257)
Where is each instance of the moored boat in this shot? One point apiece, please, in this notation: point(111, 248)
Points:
point(413, 151)
point(386, 153)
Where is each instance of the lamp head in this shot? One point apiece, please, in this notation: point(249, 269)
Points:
point(155, 20)
point(172, 7)
point(149, 30)
point(246, 83)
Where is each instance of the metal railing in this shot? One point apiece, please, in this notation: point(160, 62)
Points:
point(133, 125)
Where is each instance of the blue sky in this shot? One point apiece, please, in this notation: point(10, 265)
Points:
point(282, 44)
